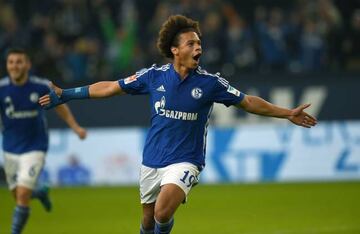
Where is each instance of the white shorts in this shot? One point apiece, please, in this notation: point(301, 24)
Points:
point(23, 169)
point(185, 175)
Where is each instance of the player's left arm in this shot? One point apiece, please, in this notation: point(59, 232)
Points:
point(259, 106)
point(65, 114)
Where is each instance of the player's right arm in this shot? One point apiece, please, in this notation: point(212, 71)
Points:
point(136, 84)
point(100, 89)
point(105, 89)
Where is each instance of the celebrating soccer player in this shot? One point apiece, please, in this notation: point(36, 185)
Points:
point(25, 135)
point(182, 96)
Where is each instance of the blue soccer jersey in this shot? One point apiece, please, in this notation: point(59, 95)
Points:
point(180, 111)
point(23, 120)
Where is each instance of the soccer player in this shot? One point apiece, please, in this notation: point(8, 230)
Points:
point(181, 98)
point(25, 135)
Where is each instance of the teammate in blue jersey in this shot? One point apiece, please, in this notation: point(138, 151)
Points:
point(25, 135)
point(181, 99)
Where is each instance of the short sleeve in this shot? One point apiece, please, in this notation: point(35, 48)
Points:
point(226, 94)
point(44, 84)
point(137, 84)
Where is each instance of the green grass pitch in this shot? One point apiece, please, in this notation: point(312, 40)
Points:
point(285, 208)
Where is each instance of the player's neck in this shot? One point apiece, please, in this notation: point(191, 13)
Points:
point(20, 81)
point(181, 70)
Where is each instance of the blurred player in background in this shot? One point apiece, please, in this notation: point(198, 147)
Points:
point(25, 135)
point(182, 96)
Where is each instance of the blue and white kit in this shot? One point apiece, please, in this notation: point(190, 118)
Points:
point(23, 120)
point(180, 111)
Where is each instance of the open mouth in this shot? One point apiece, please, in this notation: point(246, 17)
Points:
point(197, 57)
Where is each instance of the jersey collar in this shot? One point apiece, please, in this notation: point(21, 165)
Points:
point(174, 72)
point(16, 85)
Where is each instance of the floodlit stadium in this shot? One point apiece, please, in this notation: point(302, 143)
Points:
point(261, 175)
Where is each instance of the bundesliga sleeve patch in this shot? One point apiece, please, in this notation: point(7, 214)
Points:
point(234, 91)
point(130, 79)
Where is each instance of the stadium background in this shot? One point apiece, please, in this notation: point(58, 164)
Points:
point(262, 175)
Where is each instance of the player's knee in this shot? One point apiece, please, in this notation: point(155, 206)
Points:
point(163, 215)
point(23, 196)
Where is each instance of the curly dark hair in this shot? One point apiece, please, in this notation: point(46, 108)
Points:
point(171, 30)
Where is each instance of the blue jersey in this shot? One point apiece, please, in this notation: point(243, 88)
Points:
point(24, 126)
point(180, 111)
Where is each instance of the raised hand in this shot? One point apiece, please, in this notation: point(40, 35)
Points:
point(301, 118)
point(52, 99)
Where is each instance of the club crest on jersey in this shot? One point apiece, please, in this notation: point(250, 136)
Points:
point(172, 114)
point(34, 97)
point(130, 79)
point(196, 93)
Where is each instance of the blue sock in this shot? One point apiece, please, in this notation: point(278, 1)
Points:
point(144, 231)
point(163, 228)
point(21, 215)
point(43, 195)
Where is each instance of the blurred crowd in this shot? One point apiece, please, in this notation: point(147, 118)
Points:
point(89, 40)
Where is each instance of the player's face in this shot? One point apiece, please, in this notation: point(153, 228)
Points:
point(189, 50)
point(18, 66)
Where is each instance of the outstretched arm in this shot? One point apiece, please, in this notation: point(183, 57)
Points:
point(65, 114)
point(100, 89)
point(104, 89)
point(259, 106)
